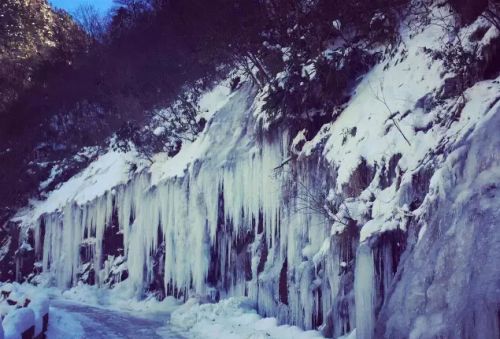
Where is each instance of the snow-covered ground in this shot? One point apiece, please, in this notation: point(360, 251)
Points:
point(90, 312)
point(63, 324)
point(76, 320)
point(232, 318)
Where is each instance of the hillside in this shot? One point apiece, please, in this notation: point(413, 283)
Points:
point(348, 187)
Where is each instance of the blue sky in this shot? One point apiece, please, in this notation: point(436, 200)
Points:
point(70, 5)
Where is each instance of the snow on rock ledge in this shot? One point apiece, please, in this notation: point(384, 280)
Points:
point(454, 254)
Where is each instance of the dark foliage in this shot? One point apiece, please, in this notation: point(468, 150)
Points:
point(84, 88)
point(469, 10)
point(133, 68)
point(305, 100)
point(328, 46)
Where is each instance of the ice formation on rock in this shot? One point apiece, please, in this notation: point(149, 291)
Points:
point(315, 242)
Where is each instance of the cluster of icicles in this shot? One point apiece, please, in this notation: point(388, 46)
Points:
point(186, 210)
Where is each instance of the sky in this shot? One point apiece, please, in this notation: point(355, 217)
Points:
point(70, 5)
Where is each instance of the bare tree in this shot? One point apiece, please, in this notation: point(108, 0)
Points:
point(91, 21)
point(381, 98)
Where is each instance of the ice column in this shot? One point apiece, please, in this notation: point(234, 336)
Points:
point(364, 292)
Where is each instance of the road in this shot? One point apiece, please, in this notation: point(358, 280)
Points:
point(69, 320)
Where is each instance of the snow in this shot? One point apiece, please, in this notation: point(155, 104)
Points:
point(213, 100)
point(37, 304)
point(40, 308)
point(5, 308)
point(121, 297)
point(25, 246)
point(336, 24)
point(394, 87)
point(232, 318)
point(370, 116)
point(17, 322)
point(351, 335)
point(64, 325)
point(165, 168)
point(107, 171)
point(55, 171)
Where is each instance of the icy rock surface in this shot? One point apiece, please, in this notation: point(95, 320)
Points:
point(451, 274)
point(364, 289)
point(214, 218)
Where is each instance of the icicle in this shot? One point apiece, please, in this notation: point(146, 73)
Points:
point(66, 248)
point(46, 244)
point(386, 265)
point(184, 211)
point(364, 291)
point(38, 240)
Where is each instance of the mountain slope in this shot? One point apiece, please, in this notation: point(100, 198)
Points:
point(384, 222)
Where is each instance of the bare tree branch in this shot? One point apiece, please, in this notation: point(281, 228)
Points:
point(381, 98)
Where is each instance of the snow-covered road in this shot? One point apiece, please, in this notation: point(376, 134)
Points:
point(74, 320)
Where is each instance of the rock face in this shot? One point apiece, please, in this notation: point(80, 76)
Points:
point(33, 38)
point(453, 253)
point(17, 256)
point(390, 229)
point(9, 242)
